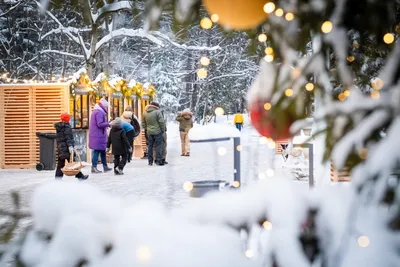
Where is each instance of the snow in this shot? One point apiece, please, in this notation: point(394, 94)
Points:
point(213, 131)
point(109, 8)
point(132, 83)
point(102, 76)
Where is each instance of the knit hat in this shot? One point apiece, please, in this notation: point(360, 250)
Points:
point(104, 102)
point(117, 123)
point(154, 103)
point(65, 117)
point(186, 110)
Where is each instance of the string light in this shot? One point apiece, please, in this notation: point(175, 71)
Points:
point(377, 84)
point(309, 87)
point(375, 95)
point(327, 27)
point(214, 18)
point(388, 38)
point(15, 81)
point(267, 106)
point(219, 111)
point(288, 92)
point(269, 50)
point(202, 73)
point(239, 148)
point(188, 186)
point(363, 241)
point(279, 12)
point(267, 225)
point(5, 75)
point(289, 16)
point(206, 23)
point(269, 58)
point(342, 97)
point(269, 7)
point(262, 38)
point(205, 61)
point(222, 151)
point(236, 184)
point(346, 93)
point(350, 58)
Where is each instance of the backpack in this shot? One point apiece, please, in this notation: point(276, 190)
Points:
point(136, 126)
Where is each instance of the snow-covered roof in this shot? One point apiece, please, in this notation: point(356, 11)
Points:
point(212, 132)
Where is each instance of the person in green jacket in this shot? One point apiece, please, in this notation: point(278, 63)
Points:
point(154, 124)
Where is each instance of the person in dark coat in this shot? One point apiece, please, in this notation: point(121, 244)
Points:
point(120, 146)
point(65, 145)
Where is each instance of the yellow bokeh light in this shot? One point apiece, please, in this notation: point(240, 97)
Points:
point(342, 97)
point(263, 140)
point(143, 254)
point(289, 16)
point(205, 61)
point(271, 144)
point(269, 58)
point(202, 73)
point(388, 38)
point(236, 184)
point(269, 51)
point(350, 58)
point(267, 225)
point(262, 37)
point(288, 92)
point(375, 95)
point(346, 93)
point(188, 186)
point(222, 151)
point(269, 7)
point(309, 87)
point(219, 111)
point(327, 27)
point(215, 18)
point(239, 148)
point(363, 241)
point(377, 84)
point(206, 23)
point(267, 106)
point(270, 172)
point(279, 12)
point(249, 253)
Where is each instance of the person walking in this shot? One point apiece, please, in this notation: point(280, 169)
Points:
point(185, 124)
point(164, 144)
point(130, 135)
point(120, 146)
point(130, 118)
point(238, 120)
point(98, 135)
point(65, 146)
point(154, 125)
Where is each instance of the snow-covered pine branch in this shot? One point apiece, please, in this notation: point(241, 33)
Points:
point(183, 46)
point(62, 53)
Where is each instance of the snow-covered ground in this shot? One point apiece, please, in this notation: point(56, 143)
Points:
point(164, 183)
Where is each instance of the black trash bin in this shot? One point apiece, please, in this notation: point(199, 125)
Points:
point(47, 151)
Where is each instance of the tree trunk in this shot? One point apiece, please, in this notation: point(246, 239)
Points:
point(205, 107)
point(91, 60)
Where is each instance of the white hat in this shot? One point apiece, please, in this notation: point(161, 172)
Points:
point(186, 110)
point(104, 102)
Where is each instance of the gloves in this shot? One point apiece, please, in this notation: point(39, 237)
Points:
point(71, 149)
point(130, 150)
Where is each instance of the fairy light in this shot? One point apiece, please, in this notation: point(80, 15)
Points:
point(249, 253)
point(279, 12)
point(215, 18)
point(15, 80)
point(363, 241)
point(5, 75)
point(205, 61)
point(143, 253)
point(271, 144)
point(269, 50)
point(309, 87)
point(270, 172)
point(377, 84)
point(219, 111)
point(267, 225)
point(288, 92)
point(346, 93)
point(239, 148)
point(269, 7)
point(289, 16)
point(350, 58)
point(202, 73)
point(269, 58)
point(188, 186)
point(267, 106)
point(206, 23)
point(375, 95)
point(8, 80)
point(221, 151)
point(342, 97)
point(236, 184)
point(327, 27)
point(262, 37)
point(388, 38)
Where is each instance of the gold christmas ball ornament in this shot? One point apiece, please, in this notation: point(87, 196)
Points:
point(237, 14)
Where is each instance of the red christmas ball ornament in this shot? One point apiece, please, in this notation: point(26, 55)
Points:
point(269, 121)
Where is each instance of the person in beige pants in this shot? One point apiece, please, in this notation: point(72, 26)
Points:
point(185, 124)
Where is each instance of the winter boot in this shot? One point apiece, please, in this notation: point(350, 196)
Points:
point(160, 163)
point(150, 163)
point(83, 177)
point(95, 170)
point(118, 171)
point(164, 162)
point(187, 155)
point(106, 168)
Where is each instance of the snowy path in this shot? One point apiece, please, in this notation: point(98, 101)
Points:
point(161, 183)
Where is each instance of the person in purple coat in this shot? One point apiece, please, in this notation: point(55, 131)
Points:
point(98, 135)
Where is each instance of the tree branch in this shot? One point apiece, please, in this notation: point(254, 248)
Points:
point(11, 9)
point(110, 8)
point(62, 53)
point(183, 46)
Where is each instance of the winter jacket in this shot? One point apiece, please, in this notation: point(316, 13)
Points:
point(185, 121)
point(98, 128)
point(238, 118)
point(118, 140)
point(153, 121)
point(64, 139)
point(127, 126)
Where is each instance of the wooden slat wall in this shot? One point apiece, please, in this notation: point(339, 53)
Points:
point(278, 147)
point(339, 176)
point(27, 109)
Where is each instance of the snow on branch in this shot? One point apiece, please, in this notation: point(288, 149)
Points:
point(11, 9)
point(63, 53)
point(127, 33)
point(186, 47)
point(109, 8)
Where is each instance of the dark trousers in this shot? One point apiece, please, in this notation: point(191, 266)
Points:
point(95, 157)
point(239, 126)
point(120, 161)
point(130, 137)
point(157, 141)
point(60, 165)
